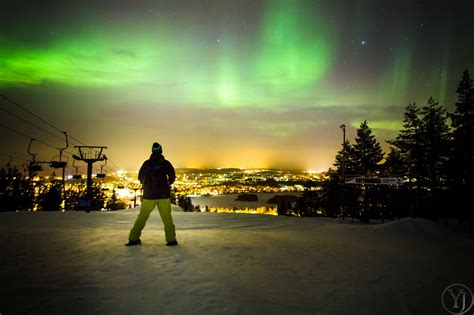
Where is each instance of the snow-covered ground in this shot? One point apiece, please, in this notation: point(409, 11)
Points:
point(76, 263)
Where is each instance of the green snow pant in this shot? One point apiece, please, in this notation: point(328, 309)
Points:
point(164, 207)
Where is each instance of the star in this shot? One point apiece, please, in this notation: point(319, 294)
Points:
point(363, 42)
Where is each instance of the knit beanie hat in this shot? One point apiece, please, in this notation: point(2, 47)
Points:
point(156, 148)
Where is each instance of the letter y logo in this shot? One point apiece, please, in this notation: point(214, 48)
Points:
point(457, 299)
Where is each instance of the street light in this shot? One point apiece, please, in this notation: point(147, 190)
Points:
point(343, 166)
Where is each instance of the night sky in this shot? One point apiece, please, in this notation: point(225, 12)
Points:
point(225, 83)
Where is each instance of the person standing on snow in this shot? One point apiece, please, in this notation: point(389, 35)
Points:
point(156, 175)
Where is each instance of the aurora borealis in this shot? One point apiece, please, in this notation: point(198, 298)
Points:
point(228, 83)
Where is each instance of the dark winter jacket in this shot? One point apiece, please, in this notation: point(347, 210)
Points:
point(156, 176)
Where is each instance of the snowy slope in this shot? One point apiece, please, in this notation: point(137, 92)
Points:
point(75, 263)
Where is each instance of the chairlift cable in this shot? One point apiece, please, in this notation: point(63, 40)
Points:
point(15, 157)
point(68, 154)
point(37, 117)
point(25, 120)
point(24, 135)
point(43, 120)
point(29, 112)
point(30, 123)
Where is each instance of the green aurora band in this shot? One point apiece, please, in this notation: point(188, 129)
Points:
point(229, 83)
point(294, 50)
point(287, 56)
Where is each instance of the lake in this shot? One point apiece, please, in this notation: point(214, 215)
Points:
point(228, 200)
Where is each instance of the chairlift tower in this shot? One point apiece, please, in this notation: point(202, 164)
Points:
point(90, 155)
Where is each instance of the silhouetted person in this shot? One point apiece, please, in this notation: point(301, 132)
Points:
point(156, 176)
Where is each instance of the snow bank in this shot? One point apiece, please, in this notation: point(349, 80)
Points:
point(75, 263)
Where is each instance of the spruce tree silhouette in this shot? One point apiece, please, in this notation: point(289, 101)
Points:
point(350, 165)
point(435, 135)
point(394, 165)
point(367, 151)
point(463, 124)
point(408, 140)
point(462, 164)
point(409, 143)
point(367, 155)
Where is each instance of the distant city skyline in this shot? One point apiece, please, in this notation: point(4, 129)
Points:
point(251, 84)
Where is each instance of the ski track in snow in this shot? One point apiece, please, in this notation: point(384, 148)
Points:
point(75, 263)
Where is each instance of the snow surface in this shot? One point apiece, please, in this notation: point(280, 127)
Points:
point(75, 263)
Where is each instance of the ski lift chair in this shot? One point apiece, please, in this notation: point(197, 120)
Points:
point(76, 176)
point(102, 174)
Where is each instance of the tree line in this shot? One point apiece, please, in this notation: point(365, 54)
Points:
point(433, 153)
point(20, 193)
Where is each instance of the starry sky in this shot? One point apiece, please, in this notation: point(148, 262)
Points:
point(225, 83)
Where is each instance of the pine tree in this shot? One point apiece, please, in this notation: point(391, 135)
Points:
point(350, 165)
point(424, 144)
point(185, 203)
point(50, 197)
point(310, 202)
point(362, 158)
point(462, 162)
point(463, 124)
point(367, 156)
point(367, 151)
point(409, 142)
point(114, 203)
point(436, 139)
point(15, 190)
point(395, 164)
